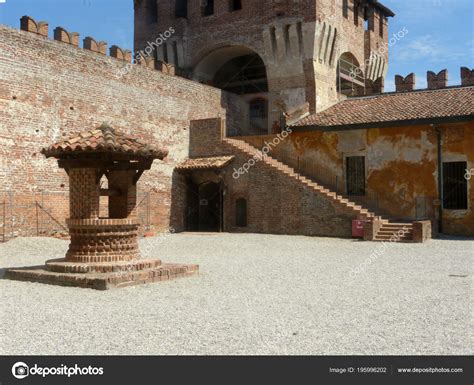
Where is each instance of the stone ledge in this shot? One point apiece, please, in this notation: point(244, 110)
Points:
point(102, 222)
point(102, 281)
point(64, 266)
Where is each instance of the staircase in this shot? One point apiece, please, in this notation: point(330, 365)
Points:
point(388, 229)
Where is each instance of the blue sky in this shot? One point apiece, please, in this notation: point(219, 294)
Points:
point(440, 32)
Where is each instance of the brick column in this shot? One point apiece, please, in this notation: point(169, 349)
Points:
point(84, 194)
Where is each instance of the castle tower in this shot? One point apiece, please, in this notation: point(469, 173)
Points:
point(282, 56)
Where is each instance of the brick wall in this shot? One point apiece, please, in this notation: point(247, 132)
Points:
point(277, 203)
point(50, 89)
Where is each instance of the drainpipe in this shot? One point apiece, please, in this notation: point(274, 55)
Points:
point(439, 137)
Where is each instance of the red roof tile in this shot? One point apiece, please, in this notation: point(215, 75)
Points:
point(205, 163)
point(104, 139)
point(395, 107)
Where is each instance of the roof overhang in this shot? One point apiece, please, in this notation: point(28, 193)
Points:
point(385, 124)
point(208, 163)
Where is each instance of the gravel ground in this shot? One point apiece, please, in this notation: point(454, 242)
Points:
point(256, 294)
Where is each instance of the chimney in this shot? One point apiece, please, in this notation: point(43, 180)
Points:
point(30, 25)
point(467, 77)
point(437, 81)
point(405, 84)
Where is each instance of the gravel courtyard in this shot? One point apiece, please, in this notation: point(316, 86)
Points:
point(256, 294)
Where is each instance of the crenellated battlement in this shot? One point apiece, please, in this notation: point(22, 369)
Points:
point(434, 80)
point(29, 24)
point(95, 46)
point(404, 84)
point(467, 76)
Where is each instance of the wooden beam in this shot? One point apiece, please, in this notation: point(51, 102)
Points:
point(138, 175)
point(109, 192)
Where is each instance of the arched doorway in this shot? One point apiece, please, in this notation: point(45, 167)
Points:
point(350, 77)
point(205, 207)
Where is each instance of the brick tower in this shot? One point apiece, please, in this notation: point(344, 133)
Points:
point(290, 56)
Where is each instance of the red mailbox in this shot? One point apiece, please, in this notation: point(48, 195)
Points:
point(358, 228)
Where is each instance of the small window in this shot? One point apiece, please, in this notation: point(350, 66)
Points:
point(152, 11)
point(241, 212)
point(454, 186)
point(381, 22)
point(356, 14)
point(181, 8)
point(258, 109)
point(345, 7)
point(235, 5)
point(207, 7)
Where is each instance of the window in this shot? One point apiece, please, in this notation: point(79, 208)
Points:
point(381, 22)
point(152, 11)
point(235, 5)
point(241, 212)
point(345, 7)
point(454, 186)
point(181, 8)
point(258, 108)
point(356, 13)
point(207, 7)
point(355, 175)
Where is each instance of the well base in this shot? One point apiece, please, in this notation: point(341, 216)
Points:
point(102, 281)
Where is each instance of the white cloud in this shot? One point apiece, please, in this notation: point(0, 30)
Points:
point(425, 47)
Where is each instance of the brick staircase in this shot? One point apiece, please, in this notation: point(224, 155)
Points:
point(386, 227)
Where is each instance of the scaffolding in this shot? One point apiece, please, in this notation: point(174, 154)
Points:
point(350, 77)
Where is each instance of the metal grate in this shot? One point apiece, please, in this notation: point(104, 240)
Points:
point(454, 186)
point(355, 168)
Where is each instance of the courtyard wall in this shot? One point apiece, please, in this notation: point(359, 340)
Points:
point(50, 89)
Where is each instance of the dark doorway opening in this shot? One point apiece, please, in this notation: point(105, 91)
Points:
point(455, 186)
point(241, 212)
point(355, 175)
point(204, 207)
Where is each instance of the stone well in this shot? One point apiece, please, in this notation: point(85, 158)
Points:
point(103, 252)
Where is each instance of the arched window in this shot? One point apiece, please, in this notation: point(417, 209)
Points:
point(241, 212)
point(350, 77)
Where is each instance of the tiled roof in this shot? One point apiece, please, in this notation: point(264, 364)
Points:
point(104, 139)
point(395, 107)
point(205, 163)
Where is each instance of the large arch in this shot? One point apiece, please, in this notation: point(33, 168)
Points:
point(240, 70)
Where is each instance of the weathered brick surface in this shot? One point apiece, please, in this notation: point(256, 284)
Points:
point(277, 203)
point(49, 89)
point(299, 41)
